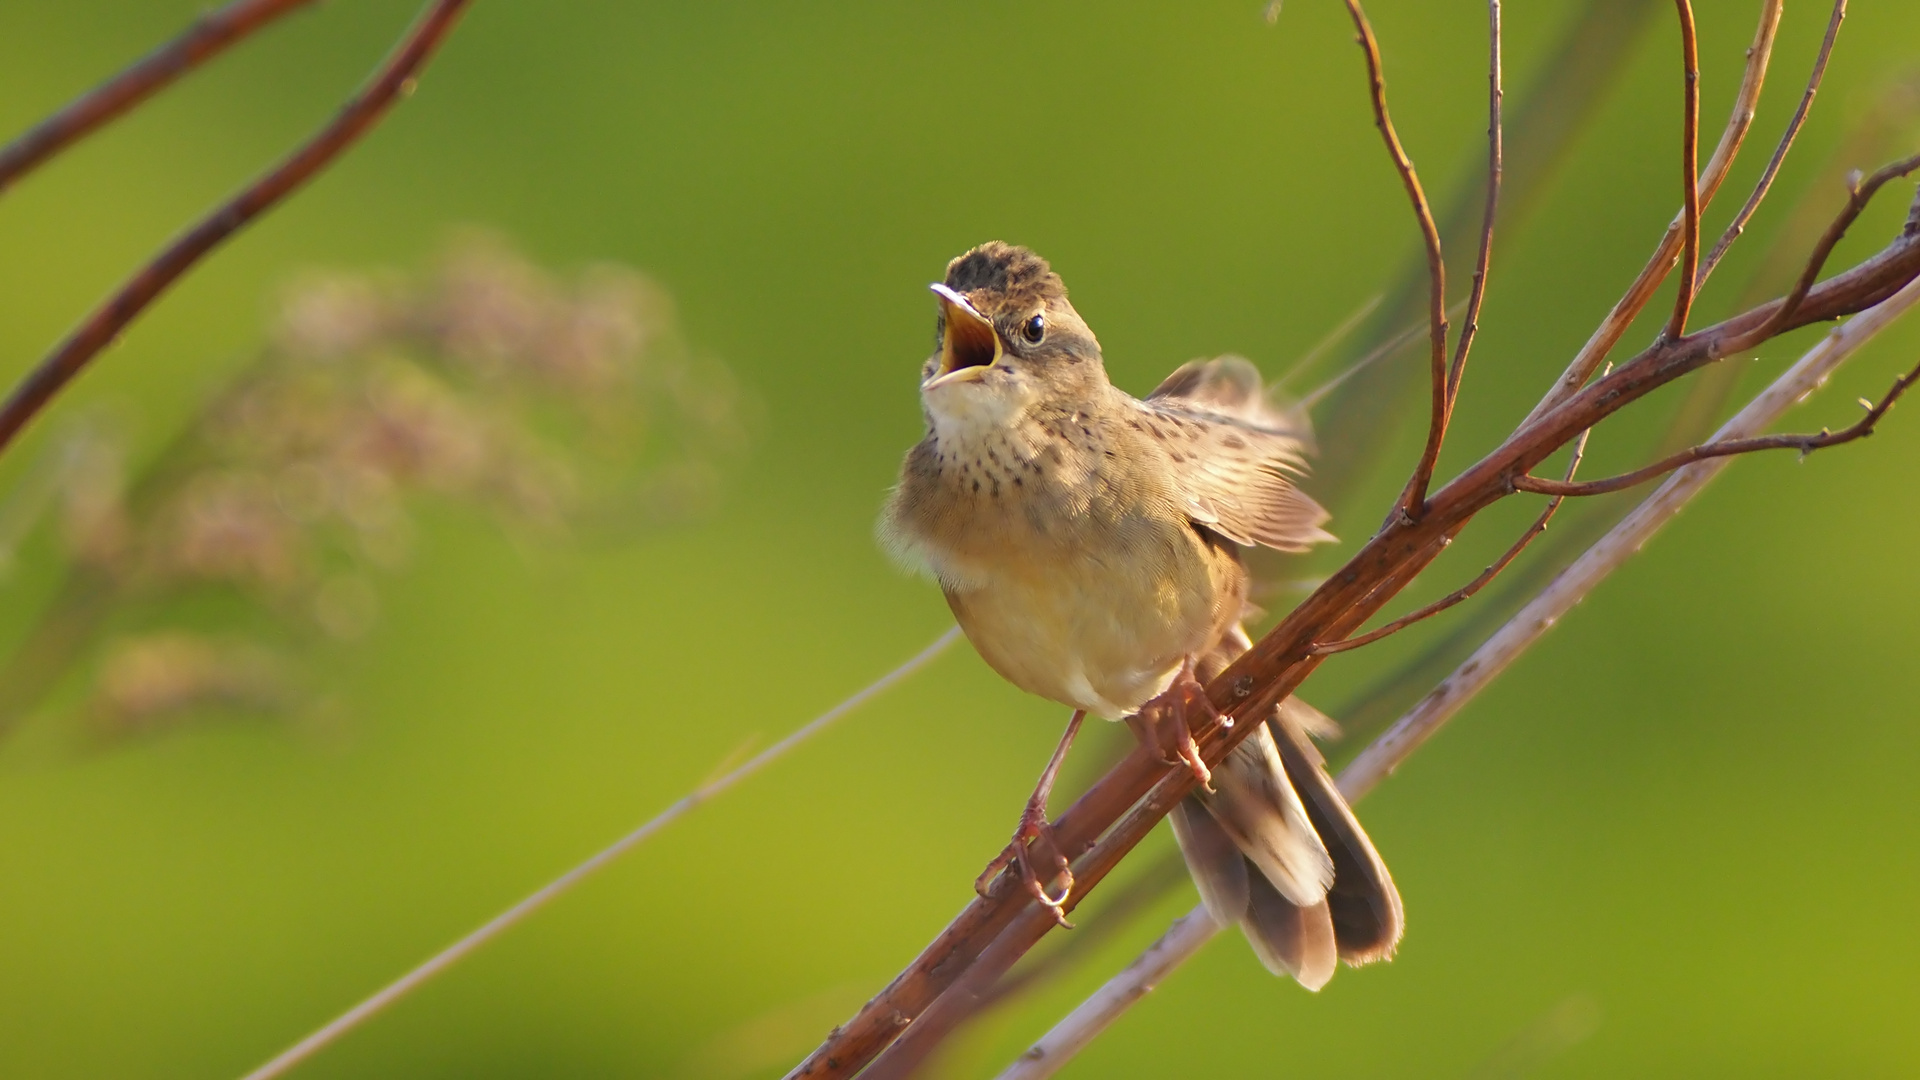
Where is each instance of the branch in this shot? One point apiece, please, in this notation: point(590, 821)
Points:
point(1608, 334)
point(1500, 650)
point(1123, 806)
point(518, 913)
point(1466, 591)
point(1471, 325)
point(394, 78)
point(1689, 169)
point(1740, 219)
point(1416, 493)
point(209, 36)
point(1806, 444)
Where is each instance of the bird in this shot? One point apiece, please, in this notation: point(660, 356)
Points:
point(1089, 543)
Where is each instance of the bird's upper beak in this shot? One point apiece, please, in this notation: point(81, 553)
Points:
point(968, 347)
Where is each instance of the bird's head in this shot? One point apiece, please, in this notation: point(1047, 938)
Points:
point(1006, 337)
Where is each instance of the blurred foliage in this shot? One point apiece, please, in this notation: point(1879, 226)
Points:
point(553, 406)
point(1679, 839)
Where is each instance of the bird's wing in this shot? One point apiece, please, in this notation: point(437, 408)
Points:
point(1235, 456)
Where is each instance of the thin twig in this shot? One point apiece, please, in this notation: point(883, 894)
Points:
point(1464, 592)
point(506, 920)
point(1500, 650)
point(1689, 170)
point(1471, 325)
point(1859, 194)
point(1416, 493)
point(1667, 252)
point(1772, 170)
point(394, 79)
point(209, 36)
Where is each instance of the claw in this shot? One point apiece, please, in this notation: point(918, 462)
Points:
point(1019, 853)
point(1164, 723)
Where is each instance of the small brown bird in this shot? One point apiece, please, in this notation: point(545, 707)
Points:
point(1088, 543)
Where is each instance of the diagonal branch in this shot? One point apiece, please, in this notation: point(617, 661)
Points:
point(1416, 493)
point(209, 36)
point(1772, 170)
point(394, 78)
point(1192, 931)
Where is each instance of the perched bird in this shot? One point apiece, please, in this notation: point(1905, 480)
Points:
point(1089, 542)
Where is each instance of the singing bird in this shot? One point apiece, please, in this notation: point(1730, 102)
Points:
point(1089, 543)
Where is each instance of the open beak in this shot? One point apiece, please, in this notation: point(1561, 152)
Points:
point(969, 346)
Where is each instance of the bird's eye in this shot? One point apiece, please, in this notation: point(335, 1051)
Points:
point(1034, 329)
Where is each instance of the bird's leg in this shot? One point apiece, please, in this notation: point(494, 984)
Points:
point(1033, 827)
point(1164, 722)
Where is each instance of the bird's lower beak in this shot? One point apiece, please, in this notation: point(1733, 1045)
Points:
point(968, 347)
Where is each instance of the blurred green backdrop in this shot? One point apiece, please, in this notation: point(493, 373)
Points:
point(1679, 839)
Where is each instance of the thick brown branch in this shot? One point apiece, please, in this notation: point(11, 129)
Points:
point(1471, 325)
point(1772, 170)
point(1689, 170)
point(394, 78)
point(1464, 592)
point(1416, 493)
point(209, 36)
point(1667, 252)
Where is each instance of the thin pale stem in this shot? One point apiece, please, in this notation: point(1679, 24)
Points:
point(394, 79)
point(209, 36)
point(560, 886)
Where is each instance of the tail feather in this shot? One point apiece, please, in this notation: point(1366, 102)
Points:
point(1290, 939)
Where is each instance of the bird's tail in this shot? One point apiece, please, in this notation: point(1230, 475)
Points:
point(1276, 849)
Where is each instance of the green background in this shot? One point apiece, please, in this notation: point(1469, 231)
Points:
point(1678, 839)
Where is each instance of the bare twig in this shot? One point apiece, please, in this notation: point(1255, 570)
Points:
point(1416, 493)
point(1667, 252)
point(1772, 170)
point(209, 36)
point(1471, 324)
point(1689, 166)
point(1859, 194)
point(394, 79)
point(1379, 760)
point(1464, 592)
point(506, 920)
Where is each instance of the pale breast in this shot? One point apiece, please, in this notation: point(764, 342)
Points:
point(1074, 573)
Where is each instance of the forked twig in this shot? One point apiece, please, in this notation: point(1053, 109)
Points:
point(1192, 931)
point(209, 36)
point(394, 78)
point(1772, 170)
point(1416, 493)
point(518, 913)
point(1464, 592)
point(1667, 252)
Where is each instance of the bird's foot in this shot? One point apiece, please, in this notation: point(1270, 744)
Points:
point(1165, 723)
point(1034, 841)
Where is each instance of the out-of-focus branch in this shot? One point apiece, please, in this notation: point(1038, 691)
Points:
point(209, 36)
point(394, 78)
point(288, 1059)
